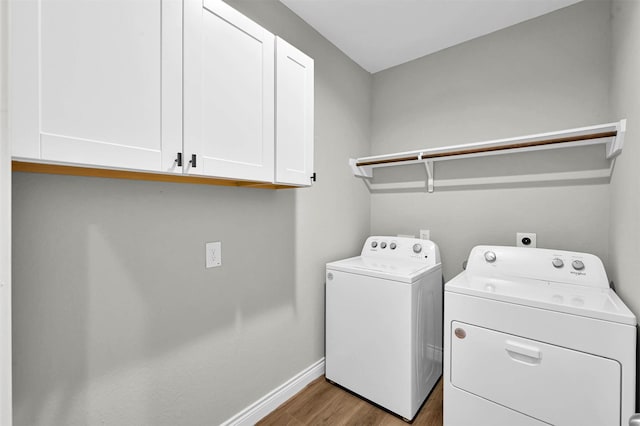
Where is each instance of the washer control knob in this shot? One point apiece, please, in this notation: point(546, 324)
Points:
point(578, 265)
point(392, 246)
point(417, 248)
point(383, 245)
point(490, 256)
point(557, 262)
point(374, 244)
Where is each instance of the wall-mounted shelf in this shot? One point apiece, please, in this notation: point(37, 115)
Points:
point(610, 135)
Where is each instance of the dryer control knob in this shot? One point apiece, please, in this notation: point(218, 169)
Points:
point(578, 265)
point(374, 244)
point(417, 248)
point(490, 256)
point(392, 246)
point(383, 245)
point(558, 263)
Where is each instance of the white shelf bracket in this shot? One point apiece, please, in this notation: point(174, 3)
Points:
point(362, 172)
point(429, 166)
point(614, 148)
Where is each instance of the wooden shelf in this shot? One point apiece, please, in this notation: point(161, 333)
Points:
point(610, 134)
point(31, 167)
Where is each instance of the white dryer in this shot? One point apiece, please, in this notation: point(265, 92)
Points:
point(536, 337)
point(384, 322)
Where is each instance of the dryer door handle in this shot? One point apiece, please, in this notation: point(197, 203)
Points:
point(526, 354)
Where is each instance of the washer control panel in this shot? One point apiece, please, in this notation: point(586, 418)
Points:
point(402, 247)
point(538, 264)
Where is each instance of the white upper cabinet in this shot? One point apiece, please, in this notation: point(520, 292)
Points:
point(97, 82)
point(172, 86)
point(294, 115)
point(228, 93)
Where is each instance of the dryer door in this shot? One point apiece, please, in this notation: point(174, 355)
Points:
point(550, 383)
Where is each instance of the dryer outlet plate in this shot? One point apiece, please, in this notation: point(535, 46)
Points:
point(526, 239)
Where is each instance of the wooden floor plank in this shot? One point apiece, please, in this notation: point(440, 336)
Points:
point(321, 403)
point(308, 404)
point(281, 417)
point(341, 408)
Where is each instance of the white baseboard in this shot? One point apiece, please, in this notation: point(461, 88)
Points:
point(265, 405)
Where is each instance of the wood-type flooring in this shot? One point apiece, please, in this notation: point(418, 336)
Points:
point(321, 403)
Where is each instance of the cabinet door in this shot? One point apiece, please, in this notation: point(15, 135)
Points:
point(229, 93)
point(97, 82)
point(294, 115)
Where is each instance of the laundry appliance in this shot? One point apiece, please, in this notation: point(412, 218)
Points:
point(384, 322)
point(536, 337)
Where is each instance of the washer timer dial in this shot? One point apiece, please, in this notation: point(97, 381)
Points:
point(578, 265)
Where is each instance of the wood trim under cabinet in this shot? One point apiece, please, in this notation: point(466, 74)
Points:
point(55, 169)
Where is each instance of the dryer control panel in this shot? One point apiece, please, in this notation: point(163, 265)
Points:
point(538, 264)
point(402, 248)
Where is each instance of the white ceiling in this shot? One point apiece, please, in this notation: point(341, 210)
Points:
point(379, 34)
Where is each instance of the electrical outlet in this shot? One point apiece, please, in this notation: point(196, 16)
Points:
point(425, 234)
point(525, 239)
point(213, 253)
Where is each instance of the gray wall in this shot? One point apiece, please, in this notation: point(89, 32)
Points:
point(624, 241)
point(116, 320)
point(547, 74)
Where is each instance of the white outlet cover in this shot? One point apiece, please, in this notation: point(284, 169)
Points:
point(530, 235)
point(213, 253)
point(425, 234)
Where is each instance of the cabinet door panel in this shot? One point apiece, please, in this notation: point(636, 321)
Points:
point(294, 115)
point(99, 81)
point(229, 85)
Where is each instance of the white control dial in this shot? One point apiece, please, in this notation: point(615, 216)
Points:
point(417, 248)
point(383, 245)
point(578, 265)
point(490, 256)
point(392, 246)
point(374, 244)
point(558, 263)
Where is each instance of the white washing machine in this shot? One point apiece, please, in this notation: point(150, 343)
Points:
point(384, 322)
point(536, 337)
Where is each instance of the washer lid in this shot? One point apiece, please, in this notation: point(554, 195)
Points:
point(402, 270)
point(592, 302)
